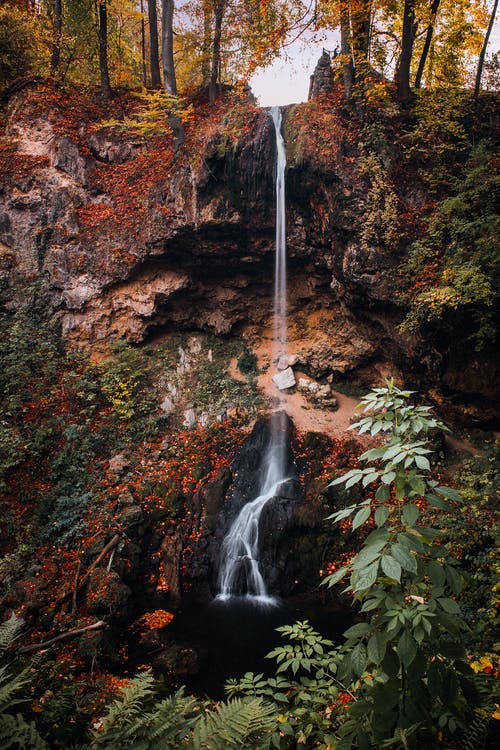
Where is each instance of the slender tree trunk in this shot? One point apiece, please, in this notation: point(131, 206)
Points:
point(482, 55)
point(219, 10)
point(167, 46)
point(427, 44)
point(55, 58)
point(143, 47)
point(103, 49)
point(361, 22)
point(154, 59)
point(407, 41)
point(345, 49)
point(207, 43)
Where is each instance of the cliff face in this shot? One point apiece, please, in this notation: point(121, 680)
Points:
point(179, 234)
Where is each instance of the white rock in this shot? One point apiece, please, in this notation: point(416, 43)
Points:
point(203, 419)
point(210, 356)
point(282, 362)
point(284, 379)
point(292, 360)
point(194, 345)
point(189, 418)
point(167, 405)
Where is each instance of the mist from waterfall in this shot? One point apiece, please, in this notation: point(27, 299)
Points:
point(240, 574)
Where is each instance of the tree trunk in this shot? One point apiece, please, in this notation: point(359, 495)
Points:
point(143, 47)
point(154, 59)
point(219, 10)
point(427, 44)
point(407, 41)
point(103, 49)
point(345, 49)
point(361, 22)
point(482, 55)
point(55, 57)
point(207, 44)
point(167, 46)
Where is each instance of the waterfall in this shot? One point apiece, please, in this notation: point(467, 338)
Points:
point(240, 573)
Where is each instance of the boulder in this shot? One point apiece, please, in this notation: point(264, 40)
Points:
point(284, 379)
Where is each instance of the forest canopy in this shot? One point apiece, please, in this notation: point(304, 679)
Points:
point(207, 44)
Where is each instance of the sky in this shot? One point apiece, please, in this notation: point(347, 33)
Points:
point(286, 81)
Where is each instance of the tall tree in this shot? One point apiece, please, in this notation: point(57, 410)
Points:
point(482, 54)
point(345, 48)
point(360, 12)
point(57, 23)
point(207, 43)
point(427, 43)
point(154, 59)
point(167, 46)
point(102, 11)
point(219, 8)
point(143, 47)
point(407, 42)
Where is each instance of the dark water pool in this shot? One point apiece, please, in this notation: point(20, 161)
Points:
point(233, 637)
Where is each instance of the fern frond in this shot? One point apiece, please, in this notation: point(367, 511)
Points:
point(9, 631)
point(124, 722)
point(10, 685)
point(17, 734)
point(234, 725)
point(475, 734)
point(172, 720)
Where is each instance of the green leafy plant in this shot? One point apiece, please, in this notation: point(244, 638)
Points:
point(15, 731)
point(406, 583)
point(136, 720)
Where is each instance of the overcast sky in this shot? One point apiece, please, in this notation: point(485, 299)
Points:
point(287, 80)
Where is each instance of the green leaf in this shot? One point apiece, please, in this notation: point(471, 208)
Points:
point(422, 463)
point(388, 477)
point(436, 573)
point(372, 454)
point(341, 514)
point(357, 631)
point(410, 514)
point(454, 579)
point(391, 567)
point(361, 517)
point(358, 659)
point(381, 515)
point(369, 478)
point(367, 555)
point(382, 494)
point(376, 647)
point(407, 648)
point(405, 559)
point(365, 578)
point(450, 493)
point(449, 606)
point(335, 577)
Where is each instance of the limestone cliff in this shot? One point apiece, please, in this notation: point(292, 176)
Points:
point(178, 233)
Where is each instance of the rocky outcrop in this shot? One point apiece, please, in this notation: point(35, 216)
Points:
point(130, 240)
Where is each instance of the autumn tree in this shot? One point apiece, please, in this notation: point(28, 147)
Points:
point(482, 54)
point(57, 24)
point(153, 45)
point(102, 11)
point(407, 40)
point(167, 46)
point(427, 43)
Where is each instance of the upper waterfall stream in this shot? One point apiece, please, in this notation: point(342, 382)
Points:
point(240, 573)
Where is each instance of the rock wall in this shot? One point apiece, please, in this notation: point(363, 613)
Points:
point(131, 239)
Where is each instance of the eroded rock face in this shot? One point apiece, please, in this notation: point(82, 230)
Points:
point(129, 241)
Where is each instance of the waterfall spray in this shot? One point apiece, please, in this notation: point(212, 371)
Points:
point(240, 573)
